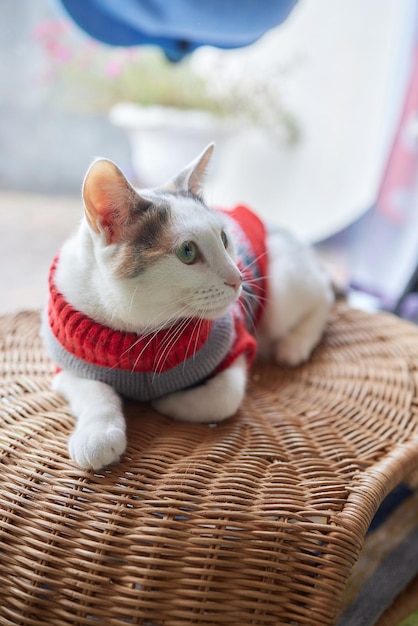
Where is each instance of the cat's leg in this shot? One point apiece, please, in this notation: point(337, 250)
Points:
point(99, 436)
point(215, 400)
point(297, 345)
point(299, 300)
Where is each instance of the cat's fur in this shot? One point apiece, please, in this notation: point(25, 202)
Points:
point(121, 270)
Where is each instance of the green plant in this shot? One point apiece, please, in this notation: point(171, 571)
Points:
point(412, 620)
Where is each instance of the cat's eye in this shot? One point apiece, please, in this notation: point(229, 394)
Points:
point(224, 238)
point(187, 252)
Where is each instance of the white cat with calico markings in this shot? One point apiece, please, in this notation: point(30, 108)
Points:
point(160, 298)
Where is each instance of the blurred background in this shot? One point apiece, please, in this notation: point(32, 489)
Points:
point(316, 126)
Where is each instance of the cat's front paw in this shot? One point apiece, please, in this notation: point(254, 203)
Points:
point(91, 448)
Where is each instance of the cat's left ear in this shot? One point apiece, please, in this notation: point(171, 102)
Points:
point(110, 201)
point(190, 179)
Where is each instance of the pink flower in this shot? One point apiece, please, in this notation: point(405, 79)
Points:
point(50, 29)
point(113, 68)
point(58, 51)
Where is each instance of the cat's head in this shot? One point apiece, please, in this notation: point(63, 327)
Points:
point(162, 253)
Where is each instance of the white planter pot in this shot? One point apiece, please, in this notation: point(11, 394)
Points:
point(164, 140)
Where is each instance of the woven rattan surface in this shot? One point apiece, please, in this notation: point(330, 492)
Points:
point(257, 521)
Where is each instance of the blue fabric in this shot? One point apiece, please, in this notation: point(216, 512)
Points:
point(401, 493)
point(178, 26)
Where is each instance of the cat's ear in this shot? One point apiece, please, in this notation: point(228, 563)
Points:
point(109, 200)
point(190, 179)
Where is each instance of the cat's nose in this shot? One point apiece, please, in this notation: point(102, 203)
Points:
point(235, 283)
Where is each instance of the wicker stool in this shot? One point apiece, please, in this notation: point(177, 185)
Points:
point(257, 521)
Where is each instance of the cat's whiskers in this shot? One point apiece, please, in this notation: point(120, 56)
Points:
point(149, 333)
point(132, 298)
point(252, 282)
point(256, 259)
point(250, 296)
point(198, 315)
point(255, 296)
point(194, 333)
point(169, 343)
point(249, 312)
point(151, 328)
point(249, 299)
point(197, 330)
point(152, 334)
point(255, 279)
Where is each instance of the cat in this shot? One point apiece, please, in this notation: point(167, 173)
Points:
point(162, 298)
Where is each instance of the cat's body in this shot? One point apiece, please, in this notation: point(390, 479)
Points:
point(157, 270)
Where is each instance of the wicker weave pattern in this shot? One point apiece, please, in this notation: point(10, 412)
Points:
point(257, 521)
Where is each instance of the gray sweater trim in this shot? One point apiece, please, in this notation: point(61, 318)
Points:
point(146, 386)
